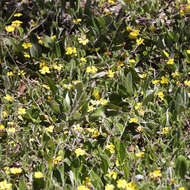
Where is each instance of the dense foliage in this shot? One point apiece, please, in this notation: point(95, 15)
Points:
point(95, 94)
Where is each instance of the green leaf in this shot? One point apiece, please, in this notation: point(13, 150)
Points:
point(51, 84)
point(22, 184)
point(129, 83)
point(181, 166)
point(149, 97)
point(120, 151)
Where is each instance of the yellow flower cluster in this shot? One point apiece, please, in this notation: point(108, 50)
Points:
point(4, 185)
point(91, 69)
point(134, 34)
point(13, 26)
point(82, 187)
point(155, 174)
point(122, 184)
point(26, 45)
point(38, 175)
point(71, 50)
point(165, 130)
point(83, 40)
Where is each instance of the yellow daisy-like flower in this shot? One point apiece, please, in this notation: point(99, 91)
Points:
point(16, 23)
point(10, 74)
point(26, 45)
point(26, 55)
point(53, 37)
point(143, 76)
point(133, 120)
point(82, 59)
point(170, 61)
point(15, 170)
point(176, 74)
point(10, 28)
point(160, 95)
point(187, 82)
point(4, 185)
point(130, 186)
point(82, 187)
point(76, 21)
point(9, 98)
point(121, 183)
point(134, 34)
point(50, 129)
point(91, 69)
point(111, 1)
point(17, 14)
point(138, 106)
point(109, 187)
point(83, 40)
point(181, 188)
point(21, 111)
point(164, 80)
point(112, 174)
point(2, 127)
point(110, 73)
point(79, 152)
point(69, 50)
point(139, 41)
point(155, 174)
point(165, 130)
point(38, 175)
point(111, 148)
point(44, 70)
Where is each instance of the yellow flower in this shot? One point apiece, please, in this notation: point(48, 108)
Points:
point(50, 129)
point(111, 1)
point(160, 95)
point(102, 101)
point(155, 81)
point(82, 187)
point(138, 106)
point(2, 127)
point(165, 130)
point(95, 133)
point(10, 28)
point(4, 185)
point(139, 128)
point(15, 170)
point(57, 160)
point(39, 40)
point(187, 82)
point(9, 98)
point(16, 23)
point(176, 74)
point(109, 187)
point(155, 174)
point(133, 120)
point(44, 70)
point(91, 69)
point(143, 76)
point(79, 152)
point(129, 29)
point(96, 94)
point(53, 37)
point(110, 73)
point(134, 34)
point(181, 188)
point(112, 174)
point(21, 111)
point(38, 175)
point(139, 41)
point(188, 51)
point(87, 181)
point(4, 114)
point(68, 86)
point(11, 130)
point(111, 148)
point(170, 62)
point(57, 67)
point(91, 108)
point(70, 51)
point(83, 40)
point(26, 55)
point(130, 186)
point(10, 74)
point(76, 21)
point(17, 14)
point(21, 73)
point(26, 45)
point(121, 183)
point(139, 154)
point(164, 80)
point(82, 59)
